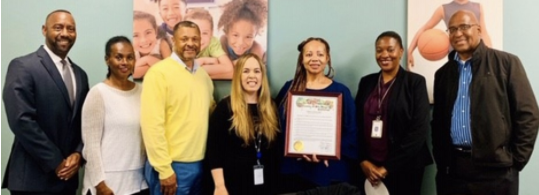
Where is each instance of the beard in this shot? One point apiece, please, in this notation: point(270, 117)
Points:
point(60, 48)
point(188, 52)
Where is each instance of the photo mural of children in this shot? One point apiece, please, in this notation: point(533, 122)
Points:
point(171, 12)
point(242, 21)
point(444, 12)
point(212, 57)
point(229, 28)
point(428, 39)
point(149, 49)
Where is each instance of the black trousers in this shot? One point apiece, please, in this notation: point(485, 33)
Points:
point(65, 192)
point(143, 192)
point(401, 182)
point(463, 177)
point(292, 183)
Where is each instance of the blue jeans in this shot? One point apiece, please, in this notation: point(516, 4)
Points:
point(188, 177)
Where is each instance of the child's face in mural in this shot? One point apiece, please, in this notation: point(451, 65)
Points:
point(240, 36)
point(170, 11)
point(206, 32)
point(144, 36)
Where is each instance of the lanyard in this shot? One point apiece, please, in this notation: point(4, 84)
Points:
point(258, 145)
point(379, 94)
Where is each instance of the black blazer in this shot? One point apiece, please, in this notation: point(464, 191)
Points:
point(47, 129)
point(408, 120)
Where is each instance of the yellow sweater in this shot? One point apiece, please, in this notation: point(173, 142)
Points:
point(175, 106)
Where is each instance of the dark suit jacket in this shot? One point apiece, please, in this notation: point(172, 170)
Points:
point(47, 128)
point(408, 120)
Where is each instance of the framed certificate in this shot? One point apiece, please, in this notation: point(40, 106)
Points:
point(313, 124)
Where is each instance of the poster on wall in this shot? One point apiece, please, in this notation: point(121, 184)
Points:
point(428, 39)
point(229, 29)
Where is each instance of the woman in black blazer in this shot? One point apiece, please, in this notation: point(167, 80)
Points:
point(393, 120)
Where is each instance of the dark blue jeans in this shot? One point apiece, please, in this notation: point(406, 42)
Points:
point(188, 177)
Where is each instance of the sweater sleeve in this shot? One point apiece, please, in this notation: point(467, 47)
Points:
point(349, 145)
point(218, 134)
point(152, 121)
point(93, 119)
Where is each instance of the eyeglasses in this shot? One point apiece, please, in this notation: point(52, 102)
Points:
point(461, 27)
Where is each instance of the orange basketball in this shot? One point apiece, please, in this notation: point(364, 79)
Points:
point(433, 44)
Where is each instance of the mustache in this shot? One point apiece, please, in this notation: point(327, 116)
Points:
point(64, 39)
point(190, 47)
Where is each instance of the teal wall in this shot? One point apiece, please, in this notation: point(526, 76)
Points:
point(350, 26)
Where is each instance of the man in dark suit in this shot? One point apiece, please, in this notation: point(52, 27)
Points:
point(43, 95)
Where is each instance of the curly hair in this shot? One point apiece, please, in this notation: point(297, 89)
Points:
point(254, 11)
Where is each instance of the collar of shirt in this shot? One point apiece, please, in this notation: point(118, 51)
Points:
point(56, 59)
point(57, 62)
point(180, 61)
point(462, 63)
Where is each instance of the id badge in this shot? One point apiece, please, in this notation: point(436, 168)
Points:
point(259, 174)
point(377, 126)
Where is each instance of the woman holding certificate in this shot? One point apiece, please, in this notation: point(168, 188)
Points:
point(393, 120)
point(242, 137)
point(308, 171)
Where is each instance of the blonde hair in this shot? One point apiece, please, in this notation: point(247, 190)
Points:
point(242, 122)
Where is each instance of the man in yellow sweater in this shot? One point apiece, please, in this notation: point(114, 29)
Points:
point(176, 99)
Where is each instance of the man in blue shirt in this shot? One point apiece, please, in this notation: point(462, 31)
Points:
point(485, 116)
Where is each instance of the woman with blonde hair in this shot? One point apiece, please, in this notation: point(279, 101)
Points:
point(243, 130)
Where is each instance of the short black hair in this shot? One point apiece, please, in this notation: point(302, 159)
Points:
point(112, 41)
point(56, 11)
point(187, 24)
point(391, 34)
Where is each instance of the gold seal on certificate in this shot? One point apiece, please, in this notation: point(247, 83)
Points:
point(313, 124)
point(298, 146)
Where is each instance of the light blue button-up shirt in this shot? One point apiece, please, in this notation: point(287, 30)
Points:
point(460, 121)
point(180, 61)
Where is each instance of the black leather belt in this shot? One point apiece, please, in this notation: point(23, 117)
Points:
point(463, 151)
